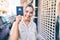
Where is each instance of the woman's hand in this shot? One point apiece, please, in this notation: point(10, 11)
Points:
point(18, 18)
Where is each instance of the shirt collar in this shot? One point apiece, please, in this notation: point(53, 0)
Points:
point(25, 24)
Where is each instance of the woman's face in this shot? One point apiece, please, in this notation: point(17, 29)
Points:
point(28, 13)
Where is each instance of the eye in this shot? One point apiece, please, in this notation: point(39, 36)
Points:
point(31, 12)
point(26, 11)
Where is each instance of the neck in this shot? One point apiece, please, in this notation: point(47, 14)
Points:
point(26, 21)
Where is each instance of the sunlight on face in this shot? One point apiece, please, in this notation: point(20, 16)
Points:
point(28, 13)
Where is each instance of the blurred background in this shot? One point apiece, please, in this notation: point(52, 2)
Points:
point(46, 17)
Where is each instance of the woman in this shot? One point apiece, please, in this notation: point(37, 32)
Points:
point(23, 28)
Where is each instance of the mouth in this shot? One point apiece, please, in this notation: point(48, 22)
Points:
point(28, 16)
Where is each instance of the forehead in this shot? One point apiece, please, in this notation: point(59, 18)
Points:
point(29, 8)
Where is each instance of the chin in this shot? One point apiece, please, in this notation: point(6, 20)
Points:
point(28, 19)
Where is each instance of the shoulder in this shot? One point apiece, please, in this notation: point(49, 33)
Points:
point(33, 23)
point(34, 26)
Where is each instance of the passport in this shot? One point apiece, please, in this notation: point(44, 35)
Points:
point(19, 10)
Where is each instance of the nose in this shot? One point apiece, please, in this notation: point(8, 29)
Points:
point(28, 13)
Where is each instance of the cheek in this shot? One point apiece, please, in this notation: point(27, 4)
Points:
point(31, 15)
point(24, 13)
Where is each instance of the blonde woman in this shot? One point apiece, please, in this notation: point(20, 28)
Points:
point(24, 28)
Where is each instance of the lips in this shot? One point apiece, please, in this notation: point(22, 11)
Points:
point(28, 16)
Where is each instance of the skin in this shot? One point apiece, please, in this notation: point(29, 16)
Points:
point(28, 13)
point(59, 8)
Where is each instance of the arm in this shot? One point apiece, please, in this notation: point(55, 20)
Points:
point(14, 31)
